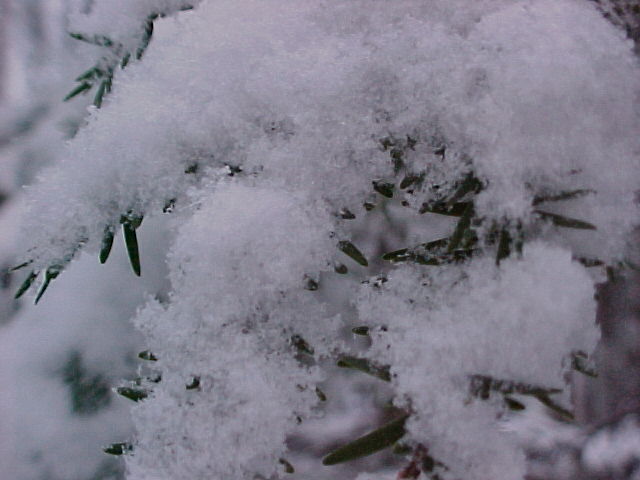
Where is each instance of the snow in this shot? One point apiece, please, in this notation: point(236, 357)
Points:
point(275, 92)
point(236, 343)
point(261, 120)
point(613, 449)
point(515, 322)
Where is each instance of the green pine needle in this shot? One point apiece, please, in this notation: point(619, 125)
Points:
point(566, 222)
point(133, 219)
point(90, 74)
point(321, 395)
point(118, 448)
point(397, 255)
point(288, 468)
point(131, 241)
point(470, 184)
point(589, 261)
point(50, 274)
point(383, 188)
point(504, 246)
point(362, 330)
point(434, 245)
point(463, 224)
point(311, 284)
point(363, 365)
point(346, 214)
point(411, 179)
point(26, 284)
point(129, 224)
point(481, 387)
point(559, 410)
point(562, 196)
point(301, 345)
point(513, 404)
point(135, 394)
point(400, 448)
point(454, 210)
point(341, 268)
point(125, 61)
point(82, 88)
point(99, 40)
point(102, 88)
point(147, 355)
point(371, 443)
point(194, 384)
point(107, 243)
point(352, 251)
point(146, 36)
point(430, 253)
point(443, 258)
point(22, 265)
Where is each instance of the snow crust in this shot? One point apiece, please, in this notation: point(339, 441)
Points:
point(259, 120)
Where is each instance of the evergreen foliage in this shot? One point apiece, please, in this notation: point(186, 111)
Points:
point(278, 193)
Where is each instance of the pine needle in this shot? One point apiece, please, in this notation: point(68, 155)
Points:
point(370, 443)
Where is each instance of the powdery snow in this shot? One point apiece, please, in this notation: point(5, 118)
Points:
point(261, 120)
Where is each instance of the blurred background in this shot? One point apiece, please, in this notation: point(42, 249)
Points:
point(59, 360)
